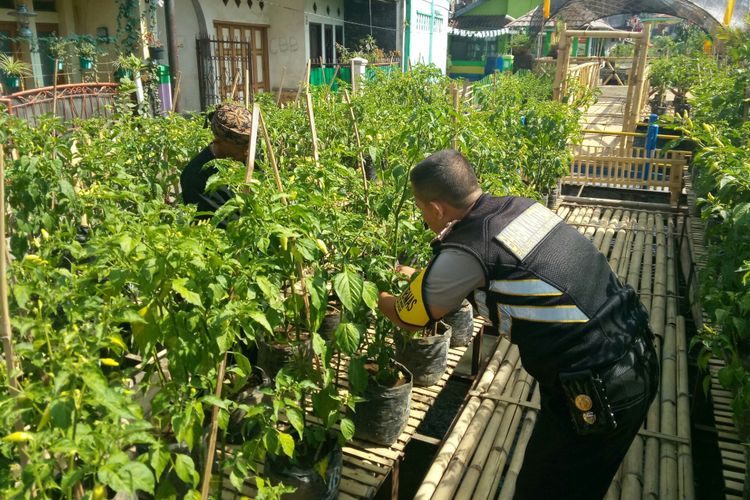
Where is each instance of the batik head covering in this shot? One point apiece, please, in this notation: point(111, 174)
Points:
point(231, 122)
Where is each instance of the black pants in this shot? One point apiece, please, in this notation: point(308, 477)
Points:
point(559, 463)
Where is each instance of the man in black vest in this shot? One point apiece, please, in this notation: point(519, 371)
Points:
point(580, 333)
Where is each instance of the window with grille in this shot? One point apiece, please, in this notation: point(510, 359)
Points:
point(423, 22)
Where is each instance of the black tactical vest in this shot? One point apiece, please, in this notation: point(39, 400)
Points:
point(546, 287)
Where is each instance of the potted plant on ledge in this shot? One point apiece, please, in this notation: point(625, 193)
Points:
point(155, 47)
point(58, 48)
point(86, 50)
point(15, 71)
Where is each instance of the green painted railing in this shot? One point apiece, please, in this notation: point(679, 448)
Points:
point(323, 76)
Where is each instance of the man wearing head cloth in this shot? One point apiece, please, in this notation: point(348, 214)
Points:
point(230, 124)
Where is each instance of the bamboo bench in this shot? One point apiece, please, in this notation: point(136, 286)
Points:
point(366, 465)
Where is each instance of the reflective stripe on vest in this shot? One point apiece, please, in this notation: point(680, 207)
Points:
point(524, 287)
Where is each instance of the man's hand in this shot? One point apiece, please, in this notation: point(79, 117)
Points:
point(405, 270)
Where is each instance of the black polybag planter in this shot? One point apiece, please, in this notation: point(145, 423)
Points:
point(382, 417)
point(310, 485)
point(272, 356)
point(461, 322)
point(425, 357)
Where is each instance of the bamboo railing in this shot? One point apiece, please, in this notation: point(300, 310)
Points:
point(628, 167)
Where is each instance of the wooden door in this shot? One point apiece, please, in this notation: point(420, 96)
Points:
point(242, 47)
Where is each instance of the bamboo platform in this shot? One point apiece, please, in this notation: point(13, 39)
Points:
point(367, 465)
point(483, 452)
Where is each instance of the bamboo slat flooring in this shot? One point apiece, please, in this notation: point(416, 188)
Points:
point(482, 454)
point(366, 465)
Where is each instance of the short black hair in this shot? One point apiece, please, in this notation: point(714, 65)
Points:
point(445, 176)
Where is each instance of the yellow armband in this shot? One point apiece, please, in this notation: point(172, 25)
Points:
point(410, 306)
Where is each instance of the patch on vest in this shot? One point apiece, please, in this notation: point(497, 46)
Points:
point(527, 230)
point(410, 306)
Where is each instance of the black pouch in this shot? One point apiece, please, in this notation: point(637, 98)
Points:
point(586, 397)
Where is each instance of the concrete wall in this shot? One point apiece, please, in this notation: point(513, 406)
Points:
point(426, 47)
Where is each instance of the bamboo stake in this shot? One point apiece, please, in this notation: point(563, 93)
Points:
point(589, 233)
point(54, 89)
point(271, 155)
point(614, 260)
point(497, 358)
point(509, 482)
point(7, 333)
point(488, 482)
point(177, 83)
point(434, 475)
point(454, 139)
point(476, 429)
point(684, 458)
point(658, 320)
point(281, 85)
point(247, 89)
point(602, 229)
point(250, 167)
point(333, 80)
point(610, 232)
point(668, 454)
point(206, 486)
point(622, 270)
point(234, 86)
point(613, 493)
point(486, 445)
point(648, 257)
point(307, 76)
point(360, 157)
point(313, 130)
point(637, 256)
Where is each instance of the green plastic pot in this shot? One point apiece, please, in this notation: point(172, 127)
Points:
point(13, 82)
point(86, 63)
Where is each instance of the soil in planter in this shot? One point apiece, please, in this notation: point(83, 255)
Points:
point(383, 416)
point(272, 356)
point(302, 475)
point(461, 322)
point(425, 357)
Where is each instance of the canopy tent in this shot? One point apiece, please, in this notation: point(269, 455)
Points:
point(708, 14)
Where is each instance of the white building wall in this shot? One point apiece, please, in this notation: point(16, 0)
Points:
point(428, 32)
point(287, 32)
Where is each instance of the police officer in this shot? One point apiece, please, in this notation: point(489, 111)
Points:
point(581, 334)
point(230, 124)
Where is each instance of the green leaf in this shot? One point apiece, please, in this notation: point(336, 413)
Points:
point(358, 376)
point(21, 293)
point(318, 344)
point(296, 419)
point(321, 467)
point(178, 285)
point(348, 286)
point(141, 477)
point(348, 338)
point(726, 377)
point(105, 395)
point(66, 188)
point(213, 400)
point(287, 443)
point(130, 316)
point(159, 460)
point(370, 295)
point(243, 363)
point(185, 469)
point(347, 428)
point(128, 477)
point(261, 319)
